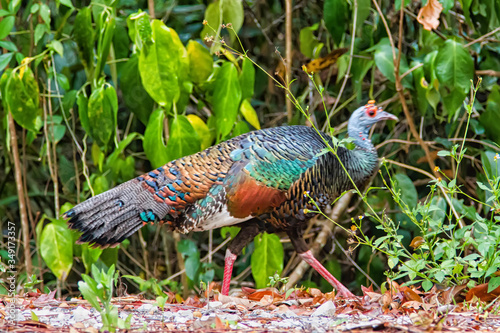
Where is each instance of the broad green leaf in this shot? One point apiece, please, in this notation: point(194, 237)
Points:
point(183, 139)
point(489, 118)
point(206, 137)
point(241, 127)
point(83, 112)
point(360, 68)
point(249, 113)
point(247, 79)
point(6, 26)
point(192, 266)
point(385, 63)
point(139, 29)
point(187, 247)
point(454, 66)
point(267, 258)
point(364, 7)
point(466, 10)
point(494, 283)
point(335, 14)
point(21, 98)
point(90, 256)
point(421, 86)
point(134, 95)
point(409, 194)
point(453, 102)
point(100, 184)
point(102, 112)
point(154, 146)
point(84, 36)
point(308, 40)
point(232, 12)
point(491, 164)
point(438, 215)
point(163, 65)
point(5, 59)
point(226, 98)
point(200, 62)
point(56, 248)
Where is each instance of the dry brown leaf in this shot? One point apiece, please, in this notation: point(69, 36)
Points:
point(428, 15)
point(482, 293)
point(416, 242)
point(316, 65)
point(410, 295)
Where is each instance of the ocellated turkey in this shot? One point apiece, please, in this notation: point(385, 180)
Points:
point(255, 181)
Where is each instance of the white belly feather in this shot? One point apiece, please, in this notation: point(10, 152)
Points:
point(219, 220)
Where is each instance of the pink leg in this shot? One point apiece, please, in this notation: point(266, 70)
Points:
point(228, 271)
point(309, 258)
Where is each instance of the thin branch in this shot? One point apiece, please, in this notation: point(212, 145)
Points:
point(289, 58)
point(20, 195)
point(483, 37)
point(348, 72)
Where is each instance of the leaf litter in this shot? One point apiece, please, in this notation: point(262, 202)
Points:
point(397, 309)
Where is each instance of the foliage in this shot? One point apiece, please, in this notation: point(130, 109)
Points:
point(98, 94)
point(99, 289)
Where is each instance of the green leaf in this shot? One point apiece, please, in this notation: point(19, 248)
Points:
point(90, 256)
point(364, 7)
point(308, 40)
point(267, 258)
point(232, 12)
point(57, 47)
point(241, 127)
point(163, 65)
point(454, 66)
point(385, 63)
point(134, 95)
point(154, 146)
point(187, 247)
point(56, 248)
point(183, 138)
point(6, 26)
point(491, 165)
point(206, 137)
point(335, 14)
point(249, 113)
point(21, 98)
point(45, 13)
point(453, 102)
point(438, 215)
point(102, 112)
point(421, 86)
point(232, 231)
point(104, 40)
point(83, 112)
point(404, 184)
point(226, 98)
point(200, 62)
point(427, 285)
point(489, 118)
point(192, 265)
point(5, 59)
point(247, 79)
point(83, 34)
point(494, 283)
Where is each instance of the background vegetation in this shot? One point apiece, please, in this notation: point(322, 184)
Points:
point(97, 92)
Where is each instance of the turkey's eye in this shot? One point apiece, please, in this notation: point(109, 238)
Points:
point(371, 112)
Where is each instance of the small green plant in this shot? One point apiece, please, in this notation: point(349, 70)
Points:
point(152, 285)
point(277, 279)
point(32, 282)
point(99, 289)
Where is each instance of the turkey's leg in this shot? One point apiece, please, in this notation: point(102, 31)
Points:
point(303, 251)
point(247, 233)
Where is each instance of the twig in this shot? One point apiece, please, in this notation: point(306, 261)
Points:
point(406, 166)
point(20, 195)
point(348, 72)
point(320, 241)
point(489, 72)
point(483, 37)
point(289, 58)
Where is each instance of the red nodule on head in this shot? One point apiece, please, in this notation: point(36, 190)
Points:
point(371, 109)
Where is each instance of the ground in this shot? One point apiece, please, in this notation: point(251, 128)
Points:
point(248, 310)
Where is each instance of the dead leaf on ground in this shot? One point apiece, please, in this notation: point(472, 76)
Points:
point(482, 293)
point(428, 15)
point(316, 65)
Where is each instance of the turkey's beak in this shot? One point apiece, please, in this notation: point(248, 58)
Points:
point(382, 115)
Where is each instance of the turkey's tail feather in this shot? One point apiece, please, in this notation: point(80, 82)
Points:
point(110, 217)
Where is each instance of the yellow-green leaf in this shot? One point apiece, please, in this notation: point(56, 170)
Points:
point(206, 137)
point(249, 113)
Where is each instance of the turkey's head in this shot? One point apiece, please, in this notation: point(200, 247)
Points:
point(363, 119)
